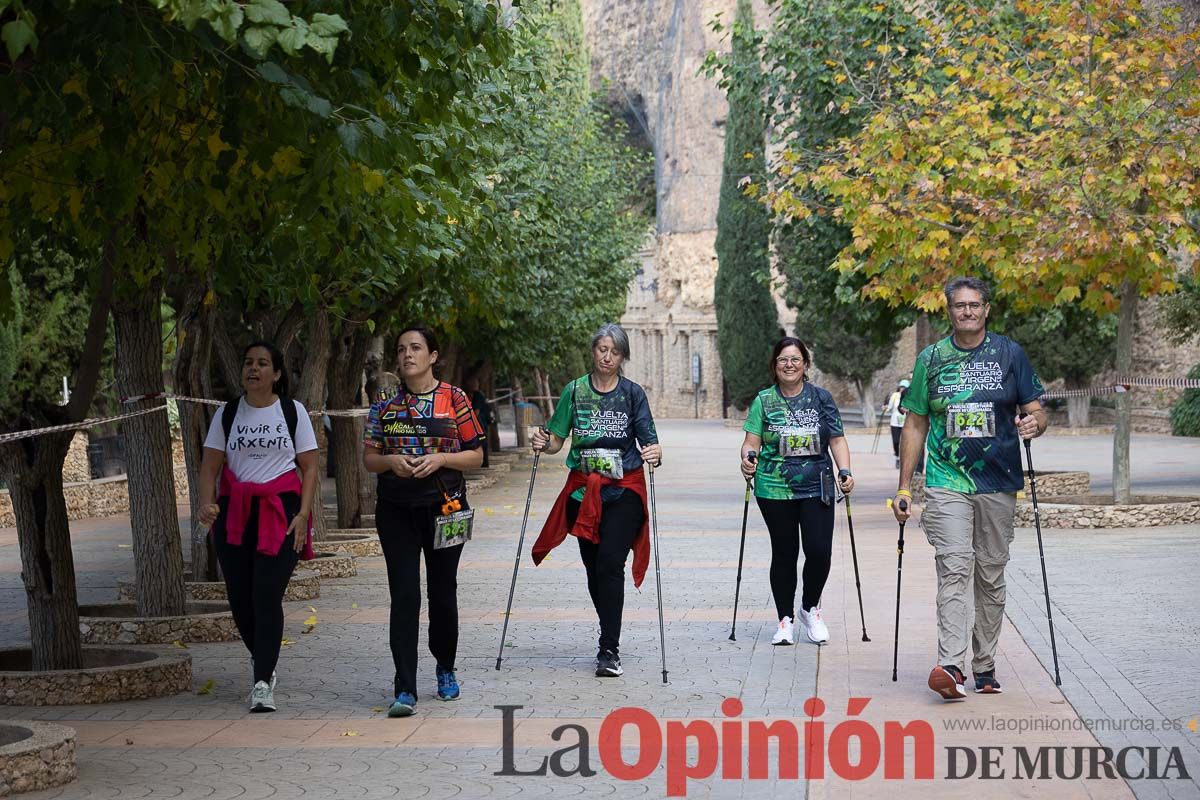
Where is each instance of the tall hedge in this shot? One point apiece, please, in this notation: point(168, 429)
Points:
point(747, 323)
point(1185, 416)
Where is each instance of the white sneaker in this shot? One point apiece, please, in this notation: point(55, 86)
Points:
point(262, 698)
point(817, 632)
point(785, 633)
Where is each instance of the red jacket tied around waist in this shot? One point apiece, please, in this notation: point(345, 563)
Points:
point(272, 519)
point(587, 524)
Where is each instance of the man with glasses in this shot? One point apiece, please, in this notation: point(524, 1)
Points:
point(974, 396)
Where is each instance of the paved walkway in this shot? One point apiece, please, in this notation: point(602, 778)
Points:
point(1124, 611)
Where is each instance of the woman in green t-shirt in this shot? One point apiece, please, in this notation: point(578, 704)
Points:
point(793, 425)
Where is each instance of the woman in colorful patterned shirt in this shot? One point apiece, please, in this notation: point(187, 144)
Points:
point(419, 442)
point(793, 425)
point(603, 504)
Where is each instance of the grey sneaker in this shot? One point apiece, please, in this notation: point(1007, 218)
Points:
point(608, 665)
point(262, 698)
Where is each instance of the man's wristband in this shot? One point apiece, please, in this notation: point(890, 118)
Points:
point(845, 473)
point(904, 492)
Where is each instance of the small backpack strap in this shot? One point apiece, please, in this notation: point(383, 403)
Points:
point(288, 405)
point(228, 414)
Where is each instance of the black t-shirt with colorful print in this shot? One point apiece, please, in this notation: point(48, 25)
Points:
point(440, 421)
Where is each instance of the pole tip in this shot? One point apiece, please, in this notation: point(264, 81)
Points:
point(497, 664)
point(866, 638)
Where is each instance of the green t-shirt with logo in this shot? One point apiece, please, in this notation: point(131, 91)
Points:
point(605, 429)
point(971, 398)
point(795, 433)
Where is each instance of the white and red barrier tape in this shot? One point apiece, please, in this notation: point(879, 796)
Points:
point(1122, 385)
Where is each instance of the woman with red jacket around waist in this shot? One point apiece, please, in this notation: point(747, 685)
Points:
point(603, 504)
point(418, 443)
point(259, 511)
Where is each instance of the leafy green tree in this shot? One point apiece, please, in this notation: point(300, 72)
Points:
point(972, 162)
point(747, 323)
point(1185, 416)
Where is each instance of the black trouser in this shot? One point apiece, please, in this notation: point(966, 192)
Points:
point(790, 523)
point(896, 431)
point(620, 525)
point(404, 532)
point(255, 583)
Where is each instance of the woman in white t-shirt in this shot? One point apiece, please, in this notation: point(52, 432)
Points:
point(257, 483)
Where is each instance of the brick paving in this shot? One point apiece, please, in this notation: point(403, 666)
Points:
point(1124, 609)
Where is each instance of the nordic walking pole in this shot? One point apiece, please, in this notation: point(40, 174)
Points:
point(1037, 524)
point(517, 562)
point(752, 457)
point(854, 555)
point(899, 574)
point(662, 632)
point(875, 443)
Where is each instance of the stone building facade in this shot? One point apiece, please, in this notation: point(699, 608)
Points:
point(647, 54)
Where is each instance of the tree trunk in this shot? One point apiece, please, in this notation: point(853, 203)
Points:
point(311, 392)
point(158, 557)
point(345, 381)
point(866, 396)
point(32, 469)
point(1079, 409)
point(193, 377)
point(1126, 329)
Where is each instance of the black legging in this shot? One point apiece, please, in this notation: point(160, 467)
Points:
point(255, 583)
point(404, 532)
point(791, 522)
point(620, 524)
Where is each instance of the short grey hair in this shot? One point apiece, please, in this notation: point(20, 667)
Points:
point(963, 282)
point(615, 332)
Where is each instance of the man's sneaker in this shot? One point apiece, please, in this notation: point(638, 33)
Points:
point(404, 705)
point(608, 665)
point(785, 634)
point(948, 682)
point(986, 683)
point(262, 698)
point(817, 632)
point(447, 684)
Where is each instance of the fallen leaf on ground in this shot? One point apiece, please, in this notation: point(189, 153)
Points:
point(377, 710)
point(286, 642)
point(311, 620)
point(354, 605)
point(488, 511)
point(350, 733)
point(510, 505)
point(126, 546)
point(207, 687)
point(180, 644)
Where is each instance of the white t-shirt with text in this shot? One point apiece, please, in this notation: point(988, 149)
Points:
point(259, 447)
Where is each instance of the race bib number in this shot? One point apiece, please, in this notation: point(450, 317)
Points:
point(800, 442)
point(606, 462)
point(454, 529)
point(971, 421)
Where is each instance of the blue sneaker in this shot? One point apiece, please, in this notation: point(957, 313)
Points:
point(404, 706)
point(447, 684)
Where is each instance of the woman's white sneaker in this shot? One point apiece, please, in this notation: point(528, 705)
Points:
point(817, 632)
point(262, 698)
point(785, 633)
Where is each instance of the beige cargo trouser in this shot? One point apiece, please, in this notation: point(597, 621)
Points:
point(970, 534)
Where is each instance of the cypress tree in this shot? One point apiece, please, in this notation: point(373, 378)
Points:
point(747, 323)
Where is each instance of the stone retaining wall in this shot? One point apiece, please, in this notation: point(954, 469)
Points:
point(105, 497)
point(163, 673)
point(211, 627)
point(1183, 511)
point(300, 587)
point(42, 761)
point(336, 565)
point(1050, 484)
point(357, 542)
